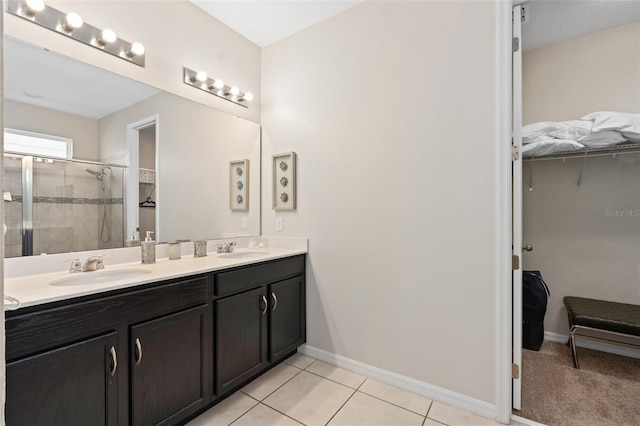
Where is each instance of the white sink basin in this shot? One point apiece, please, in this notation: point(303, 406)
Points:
point(242, 254)
point(98, 277)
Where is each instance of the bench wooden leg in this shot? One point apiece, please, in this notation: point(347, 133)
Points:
point(572, 343)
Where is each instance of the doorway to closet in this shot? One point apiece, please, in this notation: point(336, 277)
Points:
point(580, 208)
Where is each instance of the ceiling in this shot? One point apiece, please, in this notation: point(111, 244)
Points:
point(36, 76)
point(551, 21)
point(267, 21)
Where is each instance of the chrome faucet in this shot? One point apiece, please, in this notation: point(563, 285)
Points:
point(226, 247)
point(75, 266)
point(93, 263)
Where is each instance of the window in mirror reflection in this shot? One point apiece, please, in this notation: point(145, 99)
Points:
point(37, 144)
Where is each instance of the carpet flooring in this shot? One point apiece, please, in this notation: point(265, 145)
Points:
point(605, 391)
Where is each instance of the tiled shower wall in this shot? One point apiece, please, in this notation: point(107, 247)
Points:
point(67, 208)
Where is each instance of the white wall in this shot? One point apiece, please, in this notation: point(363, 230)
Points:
point(175, 33)
point(390, 107)
point(83, 131)
point(580, 244)
point(596, 72)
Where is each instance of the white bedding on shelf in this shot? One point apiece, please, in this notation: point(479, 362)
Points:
point(597, 130)
point(550, 146)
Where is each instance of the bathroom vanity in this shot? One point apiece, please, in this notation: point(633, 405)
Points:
point(153, 352)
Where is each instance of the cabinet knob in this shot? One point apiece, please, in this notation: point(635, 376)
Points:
point(138, 351)
point(114, 359)
point(275, 301)
point(527, 247)
point(266, 305)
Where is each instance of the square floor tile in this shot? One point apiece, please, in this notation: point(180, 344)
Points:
point(362, 409)
point(226, 412)
point(336, 374)
point(261, 387)
point(310, 399)
point(429, 422)
point(261, 415)
point(456, 417)
point(410, 401)
point(299, 360)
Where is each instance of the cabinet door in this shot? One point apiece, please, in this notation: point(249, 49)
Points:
point(241, 337)
point(169, 367)
point(287, 328)
point(72, 385)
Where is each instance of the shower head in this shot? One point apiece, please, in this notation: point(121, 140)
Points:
point(99, 174)
point(92, 172)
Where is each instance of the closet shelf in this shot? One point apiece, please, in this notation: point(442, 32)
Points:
point(628, 148)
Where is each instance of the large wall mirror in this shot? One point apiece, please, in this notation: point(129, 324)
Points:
point(126, 156)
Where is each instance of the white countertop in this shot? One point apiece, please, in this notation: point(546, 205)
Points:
point(32, 290)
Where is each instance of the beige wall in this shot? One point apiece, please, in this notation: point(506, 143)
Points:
point(581, 247)
point(390, 107)
point(175, 33)
point(83, 131)
point(596, 72)
point(586, 241)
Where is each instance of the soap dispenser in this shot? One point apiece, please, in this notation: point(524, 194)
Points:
point(148, 249)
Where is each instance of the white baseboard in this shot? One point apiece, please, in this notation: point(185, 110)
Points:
point(592, 344)
point(524, 421)
point(435, 393)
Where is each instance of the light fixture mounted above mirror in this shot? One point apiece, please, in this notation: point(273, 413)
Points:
point(72, 25)
point(217, 87)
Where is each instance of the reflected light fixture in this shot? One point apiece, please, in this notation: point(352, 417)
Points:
point(71, 22)
point(200, 80)
point(72, 25)
point(31, 7)
point(106, 37)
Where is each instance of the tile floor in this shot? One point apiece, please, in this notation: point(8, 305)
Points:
point(306, 391)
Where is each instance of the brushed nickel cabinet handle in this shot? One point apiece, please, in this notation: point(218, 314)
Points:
point(275, 301)
point(266, 305)
point(138, 351)
point(114, 357)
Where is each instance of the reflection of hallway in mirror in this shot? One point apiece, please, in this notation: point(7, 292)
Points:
point(147, 181)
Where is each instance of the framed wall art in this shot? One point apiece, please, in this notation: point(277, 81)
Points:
point(239, 185)
point(284, 181)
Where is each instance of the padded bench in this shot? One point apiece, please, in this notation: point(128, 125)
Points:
point(618, 320)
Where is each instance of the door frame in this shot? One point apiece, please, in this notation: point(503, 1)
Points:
point(504, 292)
point(133, 169)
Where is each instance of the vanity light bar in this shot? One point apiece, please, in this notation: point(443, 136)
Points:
point(200, 80)
point(72, 25)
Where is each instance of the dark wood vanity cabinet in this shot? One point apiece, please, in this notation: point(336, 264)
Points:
point(156, 354)
point(75, 384)
point(260, 324)
point(72, 362)
point(169, 366)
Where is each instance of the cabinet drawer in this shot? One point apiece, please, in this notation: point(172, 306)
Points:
point(251, 276)
point(48, 328)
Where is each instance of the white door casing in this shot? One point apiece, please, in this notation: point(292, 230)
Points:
point(517, 207)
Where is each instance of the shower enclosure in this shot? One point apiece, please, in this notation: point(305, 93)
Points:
point(55, 205)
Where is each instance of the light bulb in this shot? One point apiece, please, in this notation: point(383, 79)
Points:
point(106, 36)
point(234, 91)
point(247, 97)
point(31, 7)
point(136, 49)
point(72, 21)
point(217, 84)
point(200, 76)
